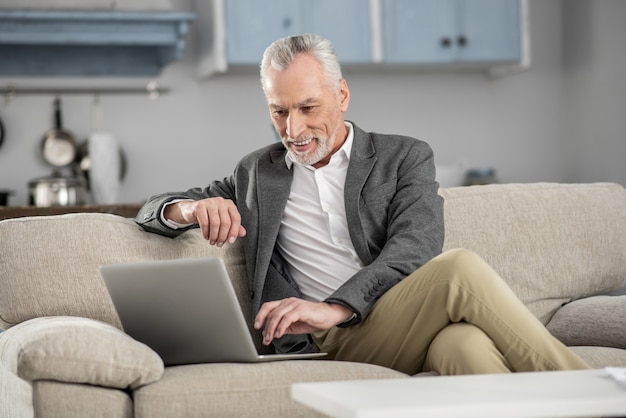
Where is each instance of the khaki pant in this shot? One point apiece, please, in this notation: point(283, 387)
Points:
point(454, 315)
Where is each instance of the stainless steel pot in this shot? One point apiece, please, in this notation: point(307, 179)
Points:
point(57, 191)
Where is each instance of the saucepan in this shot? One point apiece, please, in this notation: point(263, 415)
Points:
point(58, 146)
point(57, 190)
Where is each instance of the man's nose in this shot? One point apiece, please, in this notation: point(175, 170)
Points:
point(295, 125)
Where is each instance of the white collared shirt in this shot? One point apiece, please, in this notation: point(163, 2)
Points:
point(313, 236)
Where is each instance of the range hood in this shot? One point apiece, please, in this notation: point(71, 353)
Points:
point(90, 43)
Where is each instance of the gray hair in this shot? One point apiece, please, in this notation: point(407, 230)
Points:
point(280, 55)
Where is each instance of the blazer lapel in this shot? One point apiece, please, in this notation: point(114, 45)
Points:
point(273, 188)
point(362, 160)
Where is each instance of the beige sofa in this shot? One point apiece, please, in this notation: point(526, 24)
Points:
point(63, 355)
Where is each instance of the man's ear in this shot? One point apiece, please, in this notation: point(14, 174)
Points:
point(344, 96)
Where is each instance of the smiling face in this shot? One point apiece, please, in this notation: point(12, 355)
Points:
point(307, 112)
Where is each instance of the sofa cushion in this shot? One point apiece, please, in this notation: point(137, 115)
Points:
point(594, 321)
point(78, 350)
point(49, 265)
point(600, 357)
point(70, 400)
point(243, 390)
point(552, 243)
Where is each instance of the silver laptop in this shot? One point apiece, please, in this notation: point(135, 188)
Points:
point(186, 310)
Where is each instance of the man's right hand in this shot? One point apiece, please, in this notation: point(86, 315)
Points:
point(218, 218)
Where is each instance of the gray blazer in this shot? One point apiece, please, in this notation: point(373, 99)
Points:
point(395, 219)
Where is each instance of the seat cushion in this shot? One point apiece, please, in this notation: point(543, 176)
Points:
point(243, 390)
point(601, 357)
point(69, 400)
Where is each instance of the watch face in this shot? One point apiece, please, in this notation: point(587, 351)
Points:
point(58, 151)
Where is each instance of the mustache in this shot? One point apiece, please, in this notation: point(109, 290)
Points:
point(300, 138)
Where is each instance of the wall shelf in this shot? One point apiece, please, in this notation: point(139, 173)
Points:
point(90, 43)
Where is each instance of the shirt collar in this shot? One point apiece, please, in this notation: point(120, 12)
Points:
point(345, 149)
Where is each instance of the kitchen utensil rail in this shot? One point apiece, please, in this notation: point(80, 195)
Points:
point(152, 91)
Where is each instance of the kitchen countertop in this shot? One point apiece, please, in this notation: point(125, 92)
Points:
point(128, 210)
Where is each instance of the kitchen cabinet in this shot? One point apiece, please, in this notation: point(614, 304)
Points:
point(251, 25)
point(420, 32)
point(451, 31)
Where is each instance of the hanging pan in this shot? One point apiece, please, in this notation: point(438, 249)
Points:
point(58, 145)
point(1, 133)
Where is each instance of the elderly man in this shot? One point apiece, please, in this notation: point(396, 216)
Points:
point(343, 232)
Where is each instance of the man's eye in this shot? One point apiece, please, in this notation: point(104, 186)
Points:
point(308, 109)
point(279, 113)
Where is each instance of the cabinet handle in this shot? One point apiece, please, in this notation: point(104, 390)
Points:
point(461, 40)
point(445, 42)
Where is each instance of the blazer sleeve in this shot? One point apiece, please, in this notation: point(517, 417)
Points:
point(149, 216)
point(401, 218)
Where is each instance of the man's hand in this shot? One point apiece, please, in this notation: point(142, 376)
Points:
point(297, 316)
point(218, 218)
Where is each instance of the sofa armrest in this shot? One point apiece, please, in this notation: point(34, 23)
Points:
point(592, 321)
point(78, 350)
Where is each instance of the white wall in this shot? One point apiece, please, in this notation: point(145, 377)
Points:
point(594, 126)
point(200, 129)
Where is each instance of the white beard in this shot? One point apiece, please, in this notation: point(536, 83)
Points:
point(323, 148)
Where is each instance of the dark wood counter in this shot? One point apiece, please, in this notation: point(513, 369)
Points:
point(126, 210)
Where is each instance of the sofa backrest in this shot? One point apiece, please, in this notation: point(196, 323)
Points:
point(50, 265)
point(551, 242)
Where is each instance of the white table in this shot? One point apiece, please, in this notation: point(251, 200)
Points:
point(585, 393)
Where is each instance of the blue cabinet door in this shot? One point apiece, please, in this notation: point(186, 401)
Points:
point(418, 30)
point(442, 31)
point(491, 29)
point(251, 25)
point(346, 23)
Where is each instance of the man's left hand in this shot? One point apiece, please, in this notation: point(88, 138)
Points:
point(298, 316)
